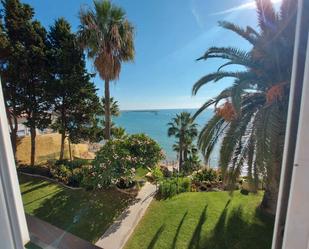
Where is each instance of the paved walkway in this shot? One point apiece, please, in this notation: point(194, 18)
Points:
point(48, 236)
point(117, 234)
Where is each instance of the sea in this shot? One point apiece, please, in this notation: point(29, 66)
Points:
point(154, 123)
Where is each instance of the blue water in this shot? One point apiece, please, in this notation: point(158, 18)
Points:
point(154, 123)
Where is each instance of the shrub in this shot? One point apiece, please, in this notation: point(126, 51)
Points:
point(185, 185)
point(206, 174)
point(113, 161)
point(191, 164)
point(118, 132)
point(76, 163)
point(157, 174)
point(145, 150)
point(244, 191)
point(173, 186)
point(62, 173)
point(69, 172)
point(116, 161)
point(36, 170)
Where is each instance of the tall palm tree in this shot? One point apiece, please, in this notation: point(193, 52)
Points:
point(107, 36)
point(253, 117)
point(185, 130)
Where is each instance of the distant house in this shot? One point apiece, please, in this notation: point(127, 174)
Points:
point(23, 130)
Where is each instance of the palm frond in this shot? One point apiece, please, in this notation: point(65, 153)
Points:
point(216, 77)
point(249, 34)
point(267, 16)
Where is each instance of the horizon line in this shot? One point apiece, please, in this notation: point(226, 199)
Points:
point(159, 109)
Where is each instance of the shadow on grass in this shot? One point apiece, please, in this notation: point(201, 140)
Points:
point(156, 237)
point(195, 240)
point(42, 197)
point(82, 213)
point(178, 230)
point(233, 231)
point(36, 187)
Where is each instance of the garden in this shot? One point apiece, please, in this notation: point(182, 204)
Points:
point(119, 163)
point(84, 197)
point(86, 214)
point(204, 220)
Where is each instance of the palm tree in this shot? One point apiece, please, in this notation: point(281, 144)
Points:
point(107, 36)
point(114, 107)
point(183, 128)
point(252, 120)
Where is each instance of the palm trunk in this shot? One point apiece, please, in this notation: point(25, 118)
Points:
point(70, 151)
point(62, 145)
point(107, 111)
point(185, 154)
point(180, 153)
point(33, 136)
point(269, 202)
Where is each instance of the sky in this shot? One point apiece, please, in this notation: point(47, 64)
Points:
point(169, 36)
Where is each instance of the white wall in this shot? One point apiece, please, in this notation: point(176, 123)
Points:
point(296, 233)
point(13, 227)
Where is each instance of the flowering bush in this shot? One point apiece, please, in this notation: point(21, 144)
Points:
point(206, 174)
point(145, 150)
point(117, 160)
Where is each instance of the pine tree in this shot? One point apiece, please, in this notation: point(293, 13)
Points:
point(25, 69)
point(72, 94)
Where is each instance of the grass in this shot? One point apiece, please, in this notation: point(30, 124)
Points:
point(83, 213)
point(204, 220)
point(32, 246)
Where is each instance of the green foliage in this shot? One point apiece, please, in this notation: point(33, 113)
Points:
point(193, 163)
point(118, 133)
point(76, 163)
point(114, 107)
point(145, 150)
point(118, 159)
point(72, 173)
point(24, 47)
point(113, 162)
point(206, 174)
point(71, 92)
point(108, 38)
point(251, 123)
point(170, 187)
point(185, 131)
point(157, 174)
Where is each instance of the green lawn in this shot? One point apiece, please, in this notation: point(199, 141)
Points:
point(211, 220)
point(84, 213)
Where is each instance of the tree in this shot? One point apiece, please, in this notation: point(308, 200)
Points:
point(114, 112)
point(13, 21)
point(107, 36)
point(27, 39)
point(252, 118)
point(114, 107)
point(9, 83)
point(72, 94)
point(183, 128)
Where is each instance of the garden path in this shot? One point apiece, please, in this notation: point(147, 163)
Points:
point(119, 232)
